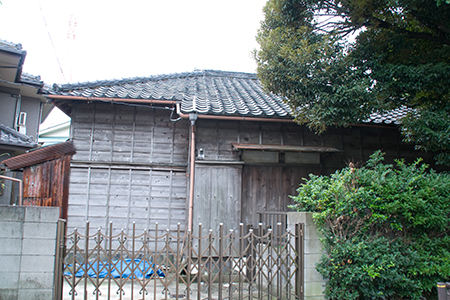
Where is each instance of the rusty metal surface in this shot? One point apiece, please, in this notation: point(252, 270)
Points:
point(245, 265)
point(40, 155)
point(46, 184)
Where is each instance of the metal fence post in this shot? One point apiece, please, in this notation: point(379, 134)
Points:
point(59, 258)
point(443, 289)
point(300, 250)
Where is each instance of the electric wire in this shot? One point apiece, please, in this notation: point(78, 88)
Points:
point(51, 41)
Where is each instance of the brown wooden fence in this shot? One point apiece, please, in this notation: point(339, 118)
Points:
point(179, 265)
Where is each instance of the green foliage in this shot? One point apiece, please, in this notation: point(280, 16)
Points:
point(370, 268)
point(399, 56)
point(385, 229)
point(430, 130)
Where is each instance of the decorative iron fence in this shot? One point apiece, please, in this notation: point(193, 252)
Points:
point(179, 265)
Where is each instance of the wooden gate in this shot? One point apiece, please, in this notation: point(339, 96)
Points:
point(217, 197)
point(245, 265)
point(266, 188)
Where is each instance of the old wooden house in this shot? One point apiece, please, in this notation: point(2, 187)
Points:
point(199, 147)
point(23, 108)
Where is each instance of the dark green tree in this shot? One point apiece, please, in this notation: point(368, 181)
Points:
point(385, 229)
point(338, 61)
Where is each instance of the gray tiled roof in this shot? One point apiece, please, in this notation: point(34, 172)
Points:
point(11, 47)
point(202, 91)
point(391, 117)
point(11, 137)
point(31, 79)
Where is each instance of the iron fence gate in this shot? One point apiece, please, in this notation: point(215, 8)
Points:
point(178, 265)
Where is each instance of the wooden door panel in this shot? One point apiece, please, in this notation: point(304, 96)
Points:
point(267, 188)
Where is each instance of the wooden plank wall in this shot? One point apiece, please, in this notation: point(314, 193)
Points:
point(130, 166)
point(357, 143)
point(124, 196)
point(217, 197)
point(47, 184)
point(127, 134)
point(266, 187)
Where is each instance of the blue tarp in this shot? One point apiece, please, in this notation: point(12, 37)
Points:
point(122, 268)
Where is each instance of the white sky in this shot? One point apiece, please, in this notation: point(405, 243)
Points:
point(121, 39)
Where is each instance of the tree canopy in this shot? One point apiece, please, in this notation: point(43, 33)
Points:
point(338, 61)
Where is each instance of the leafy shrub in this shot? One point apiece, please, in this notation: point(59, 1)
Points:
point(385, 229)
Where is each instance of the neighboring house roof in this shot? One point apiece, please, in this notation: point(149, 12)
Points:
point(12, 47)
point(13, 138)
point(54, 134)
point(12, 58)
point(40, 155)
point(207, 92)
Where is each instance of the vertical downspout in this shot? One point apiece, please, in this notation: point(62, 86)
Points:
point(41, 109)
point(192, 118)
point(17, 112)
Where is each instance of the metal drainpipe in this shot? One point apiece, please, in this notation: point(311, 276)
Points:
point(192, 118)
point(20, 186)
point(17, 113)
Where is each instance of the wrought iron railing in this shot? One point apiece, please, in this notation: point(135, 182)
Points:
point(179, 265)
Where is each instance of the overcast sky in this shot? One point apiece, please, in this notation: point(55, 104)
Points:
point(100, 39)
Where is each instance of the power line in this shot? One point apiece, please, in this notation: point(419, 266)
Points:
point(51, 41)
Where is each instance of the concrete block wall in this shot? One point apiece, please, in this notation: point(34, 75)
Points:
point(27, 251)
point(314, 284)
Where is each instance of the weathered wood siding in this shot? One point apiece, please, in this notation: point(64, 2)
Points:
point(124, 134)
point(217, 196)
point(47, 183)
point(130, 167)
point(267, 188)
point(217, 199)
point(124, 196)
point(357, 143)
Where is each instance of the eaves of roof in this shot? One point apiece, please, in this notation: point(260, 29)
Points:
point(40, 155)
point(14, 57)
point(54, 128)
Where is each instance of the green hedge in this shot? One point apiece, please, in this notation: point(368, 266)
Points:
point(385, 229)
